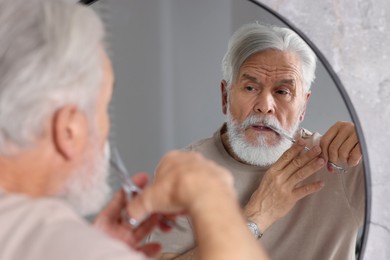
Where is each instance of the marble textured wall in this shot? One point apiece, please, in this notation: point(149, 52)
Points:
point(353, 36)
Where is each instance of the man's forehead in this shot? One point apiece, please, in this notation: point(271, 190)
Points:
point(283, 64)
point(271, 57)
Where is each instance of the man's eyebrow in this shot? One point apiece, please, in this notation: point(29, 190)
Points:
point(287, 81)
point(249, 77)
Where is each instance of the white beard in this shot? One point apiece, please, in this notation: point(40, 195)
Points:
point(87, 189)
point(261, 153)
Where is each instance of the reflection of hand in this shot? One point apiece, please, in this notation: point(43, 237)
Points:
point(184, 182)
point(341, 145)
point(281, 186)
point(111, 222)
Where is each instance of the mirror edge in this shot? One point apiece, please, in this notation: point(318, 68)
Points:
point(352, 112)
point(87, 2)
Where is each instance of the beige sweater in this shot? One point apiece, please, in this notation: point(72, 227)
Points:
point(321, 226)
point(47, 229)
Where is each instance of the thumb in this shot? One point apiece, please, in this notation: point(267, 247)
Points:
point(140, 179)
point(141, 206)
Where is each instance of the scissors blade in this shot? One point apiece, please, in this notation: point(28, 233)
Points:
point(127, 184)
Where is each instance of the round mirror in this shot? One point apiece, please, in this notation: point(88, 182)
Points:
point(167, 57)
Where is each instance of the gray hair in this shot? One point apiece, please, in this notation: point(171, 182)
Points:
point(49, 57)
point(253, 38)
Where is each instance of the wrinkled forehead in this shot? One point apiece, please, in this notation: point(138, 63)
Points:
point(273, 63)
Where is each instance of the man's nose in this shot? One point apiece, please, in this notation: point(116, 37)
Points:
point(265, 104)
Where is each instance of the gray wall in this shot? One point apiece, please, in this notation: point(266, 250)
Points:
point(167, 55)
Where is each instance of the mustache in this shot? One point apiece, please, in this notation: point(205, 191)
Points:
point(263, 120)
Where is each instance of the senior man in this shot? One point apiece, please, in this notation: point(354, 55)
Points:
point(267, 74)
point(55, 87)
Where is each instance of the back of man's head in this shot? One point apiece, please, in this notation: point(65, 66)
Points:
point(49, 56)
point(254, 37)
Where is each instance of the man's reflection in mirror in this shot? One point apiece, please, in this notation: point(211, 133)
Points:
point(296, 201)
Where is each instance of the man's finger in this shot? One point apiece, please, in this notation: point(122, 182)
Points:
point(355, 156)
point(308, 189)
point(153, 199)
point(347, 148)
point(326, 140)
point(138, 207)
point(336, 144)
point(306, 171)
point(289, 155)
point(300, 161)
point(145, 228)
point(140, 179)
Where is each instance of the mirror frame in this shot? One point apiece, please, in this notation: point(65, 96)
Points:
point(87, 2)
point(351, 110)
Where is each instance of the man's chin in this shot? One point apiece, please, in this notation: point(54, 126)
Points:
point(260, 152)
point(258, 156)
point(262, 142)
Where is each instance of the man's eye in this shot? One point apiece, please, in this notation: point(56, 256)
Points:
point(249, 88)
point(283, 92)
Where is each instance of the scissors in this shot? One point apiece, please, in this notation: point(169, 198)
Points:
point(333, 165)
point(132, 189)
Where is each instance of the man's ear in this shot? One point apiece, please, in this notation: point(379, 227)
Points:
point(224, 96)
point(302, 116)
point(70, 132)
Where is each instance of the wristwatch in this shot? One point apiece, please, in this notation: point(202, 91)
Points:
point(254, 229)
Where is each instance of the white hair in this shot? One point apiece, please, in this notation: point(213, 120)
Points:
point(49, 57)
point(254, 37)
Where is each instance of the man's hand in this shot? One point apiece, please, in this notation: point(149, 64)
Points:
point(186, 182)
point(183, 182)
point(281, 186)
point(340, 145)
point(111, 222)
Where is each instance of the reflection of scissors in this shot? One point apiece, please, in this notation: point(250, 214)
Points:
point(333, 165)
point(131, 189)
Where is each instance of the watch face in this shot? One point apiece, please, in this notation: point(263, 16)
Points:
point(254, 229)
